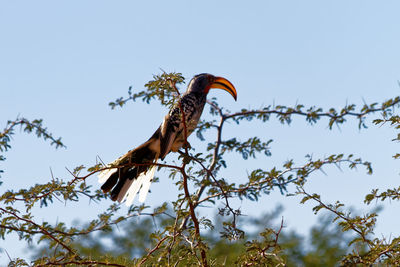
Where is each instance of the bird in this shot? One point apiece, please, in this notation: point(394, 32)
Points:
point(133, 172)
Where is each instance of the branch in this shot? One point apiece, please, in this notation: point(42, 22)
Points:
point(43, 230)
point(313, 114)
point(79, 263)
point(302, 172)
point(30, 126)
point(335, 210)
point(153, 250)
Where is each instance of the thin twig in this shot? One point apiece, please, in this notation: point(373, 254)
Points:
point(152, 251)
point(43, 230)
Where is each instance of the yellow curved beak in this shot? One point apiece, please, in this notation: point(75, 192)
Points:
point(226, 85)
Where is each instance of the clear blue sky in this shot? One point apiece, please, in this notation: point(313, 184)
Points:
point(64, 61)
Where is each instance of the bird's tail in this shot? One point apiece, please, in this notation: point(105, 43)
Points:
point(133, 173)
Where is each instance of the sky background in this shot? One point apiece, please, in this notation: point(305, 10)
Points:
point(64, 61)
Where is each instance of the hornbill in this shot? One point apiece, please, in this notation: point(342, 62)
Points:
point(135, 170)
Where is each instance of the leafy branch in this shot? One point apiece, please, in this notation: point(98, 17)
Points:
point(34, 126)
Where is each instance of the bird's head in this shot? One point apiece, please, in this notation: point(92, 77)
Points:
point(202, 83)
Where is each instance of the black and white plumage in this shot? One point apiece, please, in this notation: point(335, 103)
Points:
point(135, 170)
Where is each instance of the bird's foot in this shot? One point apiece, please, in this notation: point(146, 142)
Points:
point(187, 146)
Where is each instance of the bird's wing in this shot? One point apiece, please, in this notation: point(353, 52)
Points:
point(169, 130)
point(172, 128)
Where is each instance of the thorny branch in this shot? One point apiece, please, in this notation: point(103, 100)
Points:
point(223, 192)
point(338, 214)
point(363, 226)
point(308, 168)
point(43, 230)
point(79, 263)
point(153, 250)
point(313, 114)
point(29, 126)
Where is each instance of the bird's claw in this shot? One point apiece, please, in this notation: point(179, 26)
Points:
point(187, 146)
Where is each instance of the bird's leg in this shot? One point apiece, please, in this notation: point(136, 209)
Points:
point(187, 145)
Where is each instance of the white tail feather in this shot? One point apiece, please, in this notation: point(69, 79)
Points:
point(104, 175)
point(141, 185)
point(146, 184)
point(133, 190)
point(131, 187)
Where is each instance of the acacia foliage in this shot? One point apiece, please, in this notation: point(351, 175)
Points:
point(182, 239)
point(326, 245)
